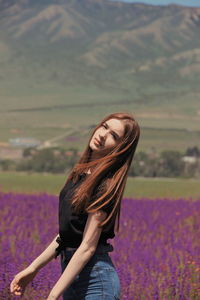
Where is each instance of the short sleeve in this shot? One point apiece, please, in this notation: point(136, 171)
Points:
point(99, 190)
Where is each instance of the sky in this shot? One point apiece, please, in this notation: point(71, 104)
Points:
point(164, 2)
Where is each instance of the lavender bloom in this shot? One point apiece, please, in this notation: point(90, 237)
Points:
point(156, 253)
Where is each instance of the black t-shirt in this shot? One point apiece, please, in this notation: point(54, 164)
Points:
point(71, 225)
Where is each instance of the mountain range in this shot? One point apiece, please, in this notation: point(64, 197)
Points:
point(149, 53)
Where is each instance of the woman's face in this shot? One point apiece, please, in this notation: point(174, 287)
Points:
point(107, 136)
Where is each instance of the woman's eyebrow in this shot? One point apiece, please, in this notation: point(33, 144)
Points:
point(112, 130)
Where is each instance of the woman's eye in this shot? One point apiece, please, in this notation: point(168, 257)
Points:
point(114, 136)
point(104, 125)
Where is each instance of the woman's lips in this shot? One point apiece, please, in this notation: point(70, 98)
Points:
point(97, 142)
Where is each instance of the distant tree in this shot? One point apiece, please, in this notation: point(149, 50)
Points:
point(27, 152)
point(152, 168)
point(190, 170)
point(138, 165)
point(43, 160)
point(51, 160)
point(193, 151)
point(7, 164)
point(170, 163)
point(72, 160)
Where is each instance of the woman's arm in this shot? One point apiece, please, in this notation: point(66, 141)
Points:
point(23, 278)
point(46, 256)
point(82, 255)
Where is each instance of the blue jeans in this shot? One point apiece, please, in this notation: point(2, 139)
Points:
point(98, 280)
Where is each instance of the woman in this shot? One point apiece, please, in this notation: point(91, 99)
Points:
point(89, 205)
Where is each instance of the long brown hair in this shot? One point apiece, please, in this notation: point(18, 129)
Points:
point(109, 173)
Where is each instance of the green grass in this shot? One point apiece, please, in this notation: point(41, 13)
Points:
point(45, 111)
point(167, 139)
point(160, 139)
point(137, 187)
point(162, 188)
point(160, 133)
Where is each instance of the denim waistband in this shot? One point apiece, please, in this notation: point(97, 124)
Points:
point(100, 249)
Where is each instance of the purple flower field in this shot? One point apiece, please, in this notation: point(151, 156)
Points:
point(156, 252)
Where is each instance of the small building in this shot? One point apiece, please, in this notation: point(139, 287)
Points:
point(189, 159)
point(23, 142)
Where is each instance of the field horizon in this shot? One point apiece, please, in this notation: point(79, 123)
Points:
point(137, 187)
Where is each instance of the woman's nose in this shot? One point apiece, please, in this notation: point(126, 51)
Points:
point(102, 137)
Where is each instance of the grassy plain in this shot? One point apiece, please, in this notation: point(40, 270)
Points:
point(49, 112)
point(136, 187)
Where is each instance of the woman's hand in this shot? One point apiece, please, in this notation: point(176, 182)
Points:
point(20, 281)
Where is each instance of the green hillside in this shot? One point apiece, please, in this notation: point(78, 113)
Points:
point(66, 63)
